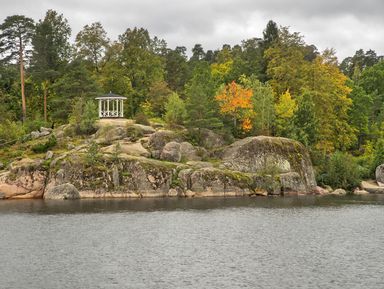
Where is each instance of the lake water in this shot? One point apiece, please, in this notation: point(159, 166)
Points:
point(295, 242)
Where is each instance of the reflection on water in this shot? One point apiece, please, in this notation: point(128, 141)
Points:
point(171, 204)
point(295, 242)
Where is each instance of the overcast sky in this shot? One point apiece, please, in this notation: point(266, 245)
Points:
point(345, 25)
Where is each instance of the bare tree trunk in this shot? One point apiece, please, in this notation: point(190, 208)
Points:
point(45, 88)
point(23, 102)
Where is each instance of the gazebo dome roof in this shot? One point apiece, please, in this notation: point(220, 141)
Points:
point(111, 95)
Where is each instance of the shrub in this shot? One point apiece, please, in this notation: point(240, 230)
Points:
point(83, 116)
point(92, 156)
point(44, 147)
point(10, 132)
point(134, 133)
point(141, 118)
point(116, 152)
point(34, 124)
point(340, 170)
point(378, 155)
point(175, 112)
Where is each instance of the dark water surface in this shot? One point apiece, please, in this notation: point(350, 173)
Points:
point(297, 242)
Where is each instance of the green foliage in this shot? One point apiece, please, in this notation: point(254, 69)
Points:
point(305, 123)
point(360, 113)
point(91, 43)
point(116, 152)
point(75, 83)
point(175, 110)
point(92, 155)
point(10, 132)
point(15, 30)
point(201, 106)
point(44, 147)
point(51, 46)
point(378, 156)
point(340, 170)
point(157, 98)
point(176, 68)
point(34, 124)
point(263, 105)
point(140, 64)
point(134, 133)
point(83, 116)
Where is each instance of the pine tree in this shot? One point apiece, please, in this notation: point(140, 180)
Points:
point(201, 106)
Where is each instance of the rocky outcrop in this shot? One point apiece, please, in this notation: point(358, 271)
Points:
point(215, 182)
point(292, 182)
point(189, 152)
point(129, 148)
point(171, 152)
point(127, 176)
point(133, 160)
point(379, 173)
point(25, 180)
point(372, 187)
point(109, 134)
point(144, 129)
point(65, 191)
point(210, 139)
point(339, 192)
point(271, 155)
point(159, 139)
point(43, 131)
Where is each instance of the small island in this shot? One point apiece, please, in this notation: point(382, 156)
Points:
point(270, 116)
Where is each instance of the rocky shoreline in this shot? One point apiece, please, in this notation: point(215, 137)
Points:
point(137, 161)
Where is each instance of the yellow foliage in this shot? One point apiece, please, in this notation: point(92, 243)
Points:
point(286, 107)
point(221, 70)
point(247, 124)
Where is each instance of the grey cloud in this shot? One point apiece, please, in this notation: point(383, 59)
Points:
point(342, 24)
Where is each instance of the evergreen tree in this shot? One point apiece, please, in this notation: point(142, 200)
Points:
point(75, 83)
point(305, 124)
point(201, 106)
point(51, 51)
point(15, 35)
point(140, 64)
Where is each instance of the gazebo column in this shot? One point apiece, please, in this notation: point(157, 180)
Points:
point(99, 107)
point(121, 108)
point(107, 107)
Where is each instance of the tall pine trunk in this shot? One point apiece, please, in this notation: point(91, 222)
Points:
point(45, 91)
point(23, 102)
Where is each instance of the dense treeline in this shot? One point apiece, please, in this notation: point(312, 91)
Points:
point(273, 85)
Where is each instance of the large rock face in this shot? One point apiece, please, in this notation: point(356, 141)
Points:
point(171, 152)
point(25, 180)
point(62, 192)
point(272, 155)
point(128, 176)
point(215, 182)
point(380, 175)
point(159, 139)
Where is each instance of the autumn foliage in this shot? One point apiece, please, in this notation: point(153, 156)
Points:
point(236, 101)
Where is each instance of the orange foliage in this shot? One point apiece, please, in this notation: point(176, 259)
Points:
point(233, 97)
point(236, 101)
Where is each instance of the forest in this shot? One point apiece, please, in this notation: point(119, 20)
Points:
point(273, 84)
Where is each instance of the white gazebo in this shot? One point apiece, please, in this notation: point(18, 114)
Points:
point(111, 105)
